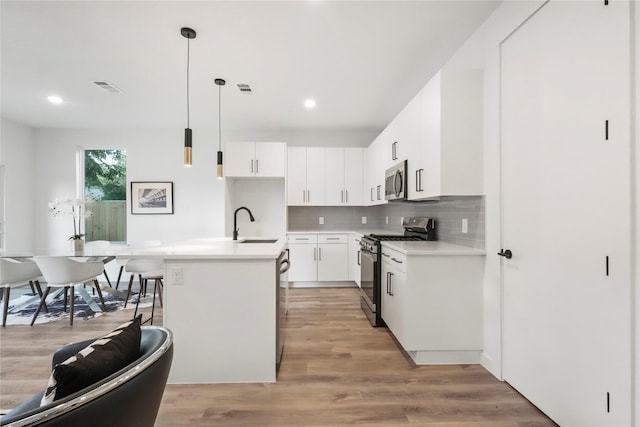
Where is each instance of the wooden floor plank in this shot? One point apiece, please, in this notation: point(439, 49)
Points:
point(336, 370)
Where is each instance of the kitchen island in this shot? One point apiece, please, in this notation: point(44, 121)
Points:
point(221, 300)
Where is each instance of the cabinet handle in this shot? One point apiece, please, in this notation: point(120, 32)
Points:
point(346, 196)
point(308, 196)
point(394, 151)
point(421, 173)
point(386, 255)
point(417, 179)
point(304, 196)
point(390, 284)
point(333, 238)
point(387, 290)
point(378, 190)
point(319, 254)
point(359, 259)
point(399, 262)
point(341, 196)
point(314, 254)
point(251, 166)
point(372, 194)
point(301, 238)
point(257, 167)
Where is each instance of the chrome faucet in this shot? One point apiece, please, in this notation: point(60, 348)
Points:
point(235, 220)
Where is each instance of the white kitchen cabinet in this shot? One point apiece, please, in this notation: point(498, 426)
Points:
point(303, 257)
point(319, 258)
point(376, 164)
point(333, 259)
point(343, 176)
point(354, 258)
point(393, 281)
point(433, 305)
point(306, 176)
point(447, 158)
point(255, 159)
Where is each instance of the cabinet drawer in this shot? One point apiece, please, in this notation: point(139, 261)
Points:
point(302, 238)
point(333, 238)
point(398, 259)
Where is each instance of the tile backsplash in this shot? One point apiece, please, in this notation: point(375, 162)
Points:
point(449, 213)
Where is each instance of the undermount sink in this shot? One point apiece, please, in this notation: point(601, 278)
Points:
point(259, 241)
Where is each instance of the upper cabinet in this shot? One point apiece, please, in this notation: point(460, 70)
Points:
point(318, 176)
point(446, 158)
point(343, 176)
point(378, 158)
point(255, 159)
point(306, 176)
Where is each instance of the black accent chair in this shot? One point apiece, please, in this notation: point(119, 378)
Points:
point(129, 397)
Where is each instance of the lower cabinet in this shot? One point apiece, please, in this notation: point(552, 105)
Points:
point(354, 258)
point(319, 257)
point(433, 305)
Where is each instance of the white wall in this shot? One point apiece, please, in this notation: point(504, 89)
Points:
point(16, 154)
point(151, 156)
point(304, 138)
point(265, 199)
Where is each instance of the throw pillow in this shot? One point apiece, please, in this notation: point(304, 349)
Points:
point(103, 357)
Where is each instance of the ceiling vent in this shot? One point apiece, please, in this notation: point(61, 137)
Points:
point(244, 88)
point(107, 86)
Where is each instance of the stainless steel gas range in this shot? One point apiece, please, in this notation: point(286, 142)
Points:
point(371, 263)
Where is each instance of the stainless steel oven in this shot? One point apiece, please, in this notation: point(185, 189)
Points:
point(370, 281)
point(371, 263)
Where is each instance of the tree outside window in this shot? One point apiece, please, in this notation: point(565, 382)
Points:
point(105, 179)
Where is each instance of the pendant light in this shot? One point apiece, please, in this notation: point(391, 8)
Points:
point(220, 83)
point(189, 34)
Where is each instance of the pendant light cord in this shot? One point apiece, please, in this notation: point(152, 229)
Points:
point(188, 126)
point(219, 120)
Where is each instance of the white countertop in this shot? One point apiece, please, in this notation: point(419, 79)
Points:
point(432, 248)
point(211, 248)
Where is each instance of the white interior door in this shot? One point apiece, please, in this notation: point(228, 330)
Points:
point(566, 211)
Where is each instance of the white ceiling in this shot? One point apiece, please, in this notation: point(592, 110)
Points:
point(361, 60)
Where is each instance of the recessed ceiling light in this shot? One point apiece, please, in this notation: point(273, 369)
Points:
point(54, 99)
point(309, 103)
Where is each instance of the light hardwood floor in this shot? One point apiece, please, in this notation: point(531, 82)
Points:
point(336, 370)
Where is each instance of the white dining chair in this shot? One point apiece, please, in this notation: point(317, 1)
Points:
point(134, 246)
point(146, 269)
point(15, 273)
point(62, 272)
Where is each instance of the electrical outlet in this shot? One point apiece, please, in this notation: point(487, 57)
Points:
point(465, 225)
point(321, 220)
point(364, 219)
point(176, 276)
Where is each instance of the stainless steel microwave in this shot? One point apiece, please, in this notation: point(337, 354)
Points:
point(395, 182)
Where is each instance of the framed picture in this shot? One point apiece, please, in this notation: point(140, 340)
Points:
point(151, 198)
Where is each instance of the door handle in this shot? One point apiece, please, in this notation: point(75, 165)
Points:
point(390, 275)
point(507, 254)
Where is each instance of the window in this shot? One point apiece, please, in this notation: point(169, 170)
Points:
point(105, 190)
